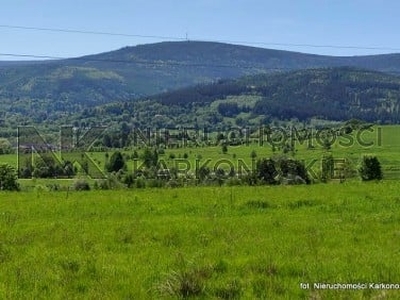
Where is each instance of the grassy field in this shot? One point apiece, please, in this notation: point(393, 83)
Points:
point(237, 242)
point(209, 243)
point(382, 141)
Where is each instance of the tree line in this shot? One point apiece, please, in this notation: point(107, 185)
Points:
point(153, 172)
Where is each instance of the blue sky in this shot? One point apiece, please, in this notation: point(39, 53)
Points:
point(269, 24)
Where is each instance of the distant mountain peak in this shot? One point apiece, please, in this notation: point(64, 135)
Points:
point(133, 72)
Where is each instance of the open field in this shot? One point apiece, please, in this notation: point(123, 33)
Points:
point(207, 242)
point(240, 242)
point(382, 141)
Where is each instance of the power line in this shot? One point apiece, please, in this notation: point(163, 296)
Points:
point(312, 45)
point(90, 32)
point(261, 43)
point(91, 58)
point(262, 69)
point(55, 59)
point(34, 56)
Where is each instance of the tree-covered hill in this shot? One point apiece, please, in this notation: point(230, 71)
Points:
point(324, 94)
point(334, 94)
point(133, 72)
point(330, 93)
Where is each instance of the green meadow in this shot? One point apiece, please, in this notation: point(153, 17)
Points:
point(207, 243)
point(382, 141)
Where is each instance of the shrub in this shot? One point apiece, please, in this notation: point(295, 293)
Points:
point(253, 154)
point(111, 183)
point(140, 183)
point(116, 163)
point(128, 180)
point(81, 185)
point(185, 283)
point(150, 158)
point(266, 171)
point(370, 169)
point(294, 171)
point(8, 178)
point(101, 185)
point(224, 149)
point(182, 285)
point(134, 155)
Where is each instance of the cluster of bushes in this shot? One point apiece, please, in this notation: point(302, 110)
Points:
point(8, 178)
point(267, 171)
point(46, 166)
point(370, 169)
point(280, 170)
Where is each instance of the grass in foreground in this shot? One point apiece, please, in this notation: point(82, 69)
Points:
point(241, 242)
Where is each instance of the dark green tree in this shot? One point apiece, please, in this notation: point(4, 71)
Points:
point(150, 158)
point(224, 148)
point(253, 154)
point(220, 137)
point(326, 144)
point(8, 178)
point(116, 162)
point(370, 169)
point(292, 168)
point(129, 180)
point(266, 171)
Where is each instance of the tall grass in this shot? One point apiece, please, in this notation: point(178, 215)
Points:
point(240, 242)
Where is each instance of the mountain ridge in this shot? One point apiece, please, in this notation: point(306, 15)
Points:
point(331, 94)
point(226, 55)
point(130, 73)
